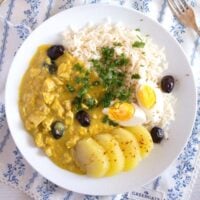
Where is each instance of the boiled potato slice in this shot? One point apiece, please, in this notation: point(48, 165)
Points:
point(144, 139)
point(129, 147)
point(113, 151)
point(91, 158)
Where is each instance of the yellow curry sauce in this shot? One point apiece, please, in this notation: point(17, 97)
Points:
point(45, 98)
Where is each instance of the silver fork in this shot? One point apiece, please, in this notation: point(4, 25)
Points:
point(1, 1)
point(184, 13)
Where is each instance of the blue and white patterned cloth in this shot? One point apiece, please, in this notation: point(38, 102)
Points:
point(17, 19)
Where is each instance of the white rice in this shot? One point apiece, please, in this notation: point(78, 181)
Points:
point(150, 61)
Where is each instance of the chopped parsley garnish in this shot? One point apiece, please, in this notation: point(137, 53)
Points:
point(106, 120)
point(121, 60)
point(84, 79)
point(107, 53)
point(137, 29)
point(117, 44)
point(77, 102)
point(135, 76)
point(78, 67)
point(124, 94)
point(96, 83)
point(84, 85)
point(112, 77)
point(138, 44)
point(82, 91)
point(90, 102)
point(70, 88)
point(107, 98)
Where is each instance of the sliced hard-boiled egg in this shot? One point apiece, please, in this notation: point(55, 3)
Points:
point(155, 114)
point(146, 96)
point(125, 114)
point(121, 111)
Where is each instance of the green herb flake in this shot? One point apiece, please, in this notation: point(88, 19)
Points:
point(137, 29)
point(107, 52)
point(124, 94)
point(90, 102)
point(106, 120)
point(95, 63)
point(112, 123)
point(138, 44)
point(108, 97)
point(96, 83)
point(122, 60)
point(77, 79)
point(135, 76)
point(82, 91)
point(117, 44)
point(77, 102)
point(111, 77)
point(82, 80)
point(70, 88)
point(78, 67)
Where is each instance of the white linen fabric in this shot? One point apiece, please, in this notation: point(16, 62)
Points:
point(17, 20)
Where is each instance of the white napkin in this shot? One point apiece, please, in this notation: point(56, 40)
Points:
point(17, 19)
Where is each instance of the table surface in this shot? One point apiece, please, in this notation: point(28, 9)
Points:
point(8, 193)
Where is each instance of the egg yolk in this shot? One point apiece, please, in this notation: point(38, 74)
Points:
point(146, 96)
point(121, 111)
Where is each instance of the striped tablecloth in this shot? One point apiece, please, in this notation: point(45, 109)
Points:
point(17, 19)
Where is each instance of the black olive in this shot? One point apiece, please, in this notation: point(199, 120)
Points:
point(57, 129)
point(157, 134)
point(55, 51)
point(83, 118)
point(167, 83)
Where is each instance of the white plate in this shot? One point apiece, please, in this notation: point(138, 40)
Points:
point(162, 155)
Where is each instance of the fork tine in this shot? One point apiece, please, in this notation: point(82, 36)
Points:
point(181, 5)
point(184, 3)
point(174, 8)
point(2, 1)
point(184, 13)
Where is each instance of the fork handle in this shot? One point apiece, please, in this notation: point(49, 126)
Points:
point(197, 29)
point(198, 32)
point(1, 1)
